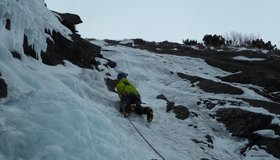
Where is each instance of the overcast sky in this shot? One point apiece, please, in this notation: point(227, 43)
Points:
point(173, 20)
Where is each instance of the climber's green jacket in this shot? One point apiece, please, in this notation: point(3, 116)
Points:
point(125, 87)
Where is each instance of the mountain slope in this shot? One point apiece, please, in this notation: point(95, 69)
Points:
point(56, 104)
point(155, 74)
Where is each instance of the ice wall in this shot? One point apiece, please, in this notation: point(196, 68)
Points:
point(30, 18)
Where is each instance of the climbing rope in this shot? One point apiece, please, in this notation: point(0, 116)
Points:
point(145, 139)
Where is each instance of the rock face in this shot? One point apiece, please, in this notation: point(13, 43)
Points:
point(79, 51)
point(3, 88)
point(271, 81)
point(270, 106)
point(243, 123)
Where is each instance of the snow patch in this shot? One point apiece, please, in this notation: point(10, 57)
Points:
point(267, 133)
point(252, 49)
point(276, 121)
point(243, 58)
point(127, 41)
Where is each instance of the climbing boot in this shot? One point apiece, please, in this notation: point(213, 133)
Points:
point(149, 112)
point(129, 109)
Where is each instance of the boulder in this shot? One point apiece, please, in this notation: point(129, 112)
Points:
point(181, 112)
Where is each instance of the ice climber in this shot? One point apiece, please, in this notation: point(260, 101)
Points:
point(130, 98)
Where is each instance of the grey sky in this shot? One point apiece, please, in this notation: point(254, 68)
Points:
point(173, 20)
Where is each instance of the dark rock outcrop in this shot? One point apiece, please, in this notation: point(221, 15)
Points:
point(69, 20)
point(79, 51)
point(161, 96)
point(8, 24)
point(270, 106)
point(16, 55)
point(110, 63)
point(181, 112)
point(211, 86)
point(3, 88)
point(170, 106)
point(28, 49)
point(218, 88)
point(272, 145)
point(244, 123)
point(270, 81)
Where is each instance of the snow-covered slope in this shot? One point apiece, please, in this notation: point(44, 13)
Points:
point(65, 112)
